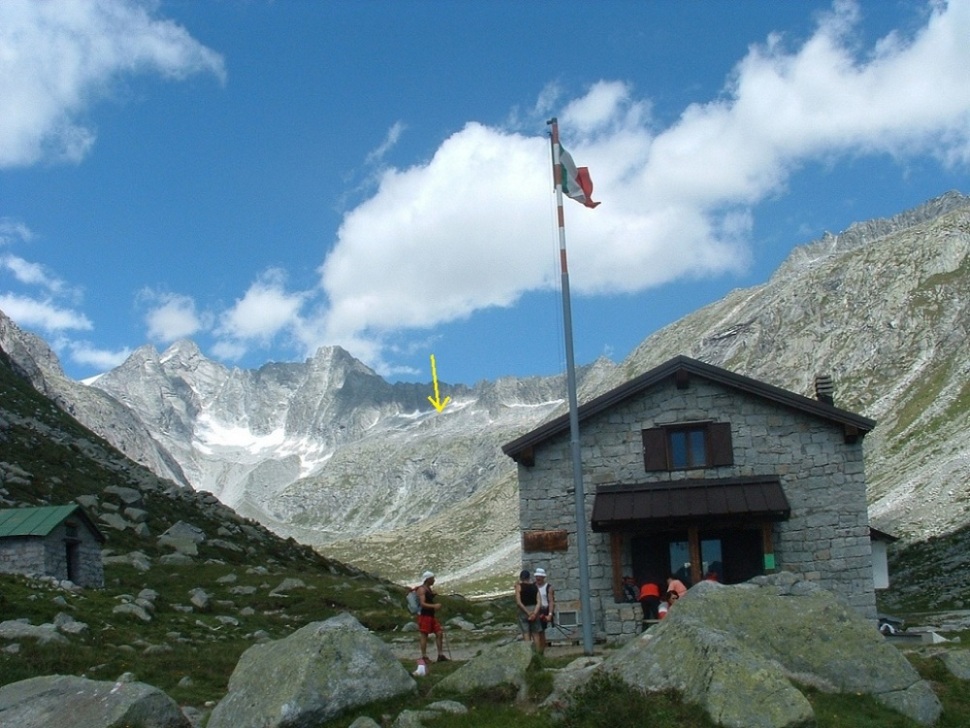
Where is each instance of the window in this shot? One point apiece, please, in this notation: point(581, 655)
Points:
point(694, 445)
point(688, 447)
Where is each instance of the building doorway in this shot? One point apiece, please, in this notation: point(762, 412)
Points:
point(729, 555)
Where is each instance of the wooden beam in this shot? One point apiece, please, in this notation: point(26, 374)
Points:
point(768, 547)
point(616, 554)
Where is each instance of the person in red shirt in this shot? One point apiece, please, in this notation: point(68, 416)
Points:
point(649, 599)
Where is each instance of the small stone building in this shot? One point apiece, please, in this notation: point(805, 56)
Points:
point(58, 541)
point(694, 470)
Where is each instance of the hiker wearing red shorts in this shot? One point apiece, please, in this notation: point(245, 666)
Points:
point(427, 621)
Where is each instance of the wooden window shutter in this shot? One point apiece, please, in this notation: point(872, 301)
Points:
point(721, 449)
point(655, 449)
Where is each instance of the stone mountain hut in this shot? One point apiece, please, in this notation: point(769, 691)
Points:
point(693, 470)
point(58, 541)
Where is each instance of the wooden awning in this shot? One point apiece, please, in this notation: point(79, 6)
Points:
point(694, 502)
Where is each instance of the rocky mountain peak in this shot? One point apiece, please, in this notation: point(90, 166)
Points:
point(330, 453)
point(860, 234)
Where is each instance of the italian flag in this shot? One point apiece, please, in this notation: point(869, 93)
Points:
point(576, 182)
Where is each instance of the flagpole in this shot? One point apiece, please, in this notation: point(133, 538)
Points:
point(580, 495)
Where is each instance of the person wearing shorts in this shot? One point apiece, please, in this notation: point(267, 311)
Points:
point(427, 618)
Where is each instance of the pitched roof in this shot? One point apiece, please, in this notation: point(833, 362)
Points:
point(40, 521)
point(685, 366)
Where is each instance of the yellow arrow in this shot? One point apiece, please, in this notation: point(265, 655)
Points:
point(436, 401)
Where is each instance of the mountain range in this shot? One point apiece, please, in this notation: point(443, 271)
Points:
point(368, 472)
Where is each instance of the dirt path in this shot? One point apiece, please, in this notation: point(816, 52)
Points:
point(462, 647)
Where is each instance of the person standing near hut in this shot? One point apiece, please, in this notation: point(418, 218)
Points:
point(547, 608)
point(527, 601)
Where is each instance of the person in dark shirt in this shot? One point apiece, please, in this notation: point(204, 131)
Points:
point(527, 601)
point(427, 618)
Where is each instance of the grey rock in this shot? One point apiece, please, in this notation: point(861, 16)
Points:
point(365, 722)
point(462, 624)
point(957, 662)
point(16, 629)
point(413, 718)
point(115, 521)
point(502, 665)
point(775, 631)
point(137, 559)
point(136, 515)
point(288, 584)
point(67, 624)
point(128, 496)
point(133, 610)
point(200, 598)
point(42, 702)
point(308, 678)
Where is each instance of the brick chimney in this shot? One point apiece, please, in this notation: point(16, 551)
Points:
point(824, 388)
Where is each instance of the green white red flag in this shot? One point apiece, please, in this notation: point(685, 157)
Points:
point(576, 182)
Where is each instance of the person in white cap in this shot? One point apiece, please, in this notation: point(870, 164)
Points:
point(427, 618)
point(547, 608)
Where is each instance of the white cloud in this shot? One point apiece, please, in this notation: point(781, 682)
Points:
point(172, 316)
point(33, 274)
point(265, 311)
point(86, 354)
point(42, 314)
point(58, 57)
point(12, 231)
point(393, 135)
point(473, 227)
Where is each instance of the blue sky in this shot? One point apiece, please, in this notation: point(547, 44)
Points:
point(267, 177)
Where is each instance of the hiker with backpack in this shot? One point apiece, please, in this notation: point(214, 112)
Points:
point(427, 618)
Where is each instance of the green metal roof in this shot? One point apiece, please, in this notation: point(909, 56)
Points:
point(40, 521)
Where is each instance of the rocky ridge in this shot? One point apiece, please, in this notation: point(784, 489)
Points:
point(329, 453)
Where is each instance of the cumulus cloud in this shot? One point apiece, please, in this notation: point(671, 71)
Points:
point(172, 316)
point(266, 310)
point(60, 56)
point(469, 228)
point(42, 314)
point(85, 353)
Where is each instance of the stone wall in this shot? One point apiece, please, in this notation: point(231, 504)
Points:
point(22, 555)
point(48, 556)
point(825, 540)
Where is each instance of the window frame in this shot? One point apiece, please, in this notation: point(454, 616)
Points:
point(658, 452)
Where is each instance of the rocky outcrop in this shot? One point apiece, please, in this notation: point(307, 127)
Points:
point(310, 677)
point(742, 651)
point(42, 702)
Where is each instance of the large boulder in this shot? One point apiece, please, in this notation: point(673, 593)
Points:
point(310, 677)
point(728, 647)
point(495, 667)
point(42, 702)
point(736, 685)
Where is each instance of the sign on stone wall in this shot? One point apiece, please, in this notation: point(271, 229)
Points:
point(534, 541)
